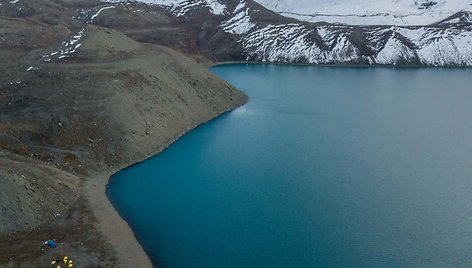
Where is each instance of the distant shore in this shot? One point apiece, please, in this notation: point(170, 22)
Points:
point(340, 65)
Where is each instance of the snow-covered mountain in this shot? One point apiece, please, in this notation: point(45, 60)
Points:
point(446, 43)
point(369, 12)
point(245, 30)
point(351, 12)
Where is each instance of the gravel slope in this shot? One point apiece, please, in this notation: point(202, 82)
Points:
point(78, 102)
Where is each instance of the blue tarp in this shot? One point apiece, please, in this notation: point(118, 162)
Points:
point(51, 243)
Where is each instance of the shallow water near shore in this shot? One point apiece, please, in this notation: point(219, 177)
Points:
point(324, 167)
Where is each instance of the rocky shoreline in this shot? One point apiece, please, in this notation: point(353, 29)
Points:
point(110, 223)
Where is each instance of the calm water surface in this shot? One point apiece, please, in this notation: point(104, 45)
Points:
point(324, 167)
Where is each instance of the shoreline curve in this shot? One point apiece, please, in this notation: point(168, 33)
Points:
point(111, 224)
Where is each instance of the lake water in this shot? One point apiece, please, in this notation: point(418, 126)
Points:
point(324, 167)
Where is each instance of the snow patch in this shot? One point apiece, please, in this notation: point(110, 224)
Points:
point(239, 23)
point(67, 49)
point(216, 7)
point(240, 6)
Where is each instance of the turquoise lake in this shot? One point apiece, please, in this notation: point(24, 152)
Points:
point(324, 167)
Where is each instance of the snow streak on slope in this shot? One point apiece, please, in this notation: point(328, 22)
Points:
point(100, 11)
point(369, 12)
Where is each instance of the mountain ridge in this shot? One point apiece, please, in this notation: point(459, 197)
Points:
point(243, 30)
point(252, 33)
point(370, 12)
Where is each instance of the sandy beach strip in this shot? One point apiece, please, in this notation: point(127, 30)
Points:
point(109, 223)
